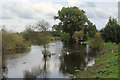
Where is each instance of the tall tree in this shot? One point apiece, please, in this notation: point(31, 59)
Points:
point(38, 34)
point(42, 26)
point(71, 19)
point(111, 31)
point(91, 29)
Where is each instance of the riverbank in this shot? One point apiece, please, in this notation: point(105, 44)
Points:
point(106, 65)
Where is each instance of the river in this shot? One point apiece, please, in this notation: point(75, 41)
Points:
point(63, 63)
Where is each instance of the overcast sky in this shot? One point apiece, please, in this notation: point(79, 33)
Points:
point(16, 14)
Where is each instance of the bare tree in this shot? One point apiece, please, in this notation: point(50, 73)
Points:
point(42, 26)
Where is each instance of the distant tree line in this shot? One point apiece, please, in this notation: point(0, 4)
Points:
point(72, 27)
point(38, 34)
point(111, 32)
point(12, 41)
point(32, 35)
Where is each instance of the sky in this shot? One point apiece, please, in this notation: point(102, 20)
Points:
point(16, 14)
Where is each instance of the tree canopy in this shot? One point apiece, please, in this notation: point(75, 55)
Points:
point(111, 32)
point(38, 34)
point(73, 19)
point(78, 35)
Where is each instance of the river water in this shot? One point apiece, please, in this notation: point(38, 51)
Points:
point(64, 61)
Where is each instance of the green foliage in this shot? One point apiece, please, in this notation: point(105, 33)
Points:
point(65, 37)
point(111, 32)
point(37, 38)
point(77, 70)
point(37, 35)
point(12, 41)
point(91, 29)
point(54, 38)
point(88, 41)
point(42, 26)
point(106, 66)
point(55, 33)
point(97, 42)
point(71, 19)
point(78, 35)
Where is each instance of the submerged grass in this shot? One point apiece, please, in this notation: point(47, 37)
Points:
point(106, 65)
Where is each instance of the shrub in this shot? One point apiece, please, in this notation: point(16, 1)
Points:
point(11, 41)
point(78, 35)
point(65, 37)
point(97, 42)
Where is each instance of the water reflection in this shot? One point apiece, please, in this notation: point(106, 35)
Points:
point(63, 62)
point(7, 55)
point(81, 56)
point(38, 70)
point(74, 60)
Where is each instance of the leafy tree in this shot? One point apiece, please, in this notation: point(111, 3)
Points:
point(78, 35)
point(65, 37)
point(58, 27)
point(28, 33)
point(38, 34)
point(91, 29)
point(71, 19)
point(97, 42)
point(42, 26)
point(118, 34)
point(111, 31)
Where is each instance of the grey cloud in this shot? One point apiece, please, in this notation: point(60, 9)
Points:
point(87, 4)
point(90, 15)
point(22, 12)
point(91, 4)
point(5, 14)
point(5, 17)
point(29, 10)
point(101, 15)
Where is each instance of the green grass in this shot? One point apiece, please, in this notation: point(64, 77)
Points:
point(88, 41)
point(106, 66)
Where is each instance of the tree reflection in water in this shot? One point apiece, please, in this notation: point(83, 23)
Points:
point(4, 66)
point(66, 59)
point(35, 71)
point(5, 56)
point(73, 57)
point(76, 60)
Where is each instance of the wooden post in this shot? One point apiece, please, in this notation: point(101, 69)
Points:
point(112, 49)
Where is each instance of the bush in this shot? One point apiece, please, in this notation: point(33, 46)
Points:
point(78, 35)
point(97, 42)
point(12, 41)
point(37, 38)
point(65, 37)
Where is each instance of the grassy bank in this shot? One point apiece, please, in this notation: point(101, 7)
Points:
point(106, 65)
point(88, 41)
